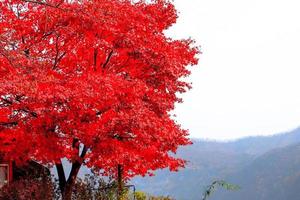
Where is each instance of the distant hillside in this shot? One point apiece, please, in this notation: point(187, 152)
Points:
point(259, 145)
point(235, 161)
point(272, 176)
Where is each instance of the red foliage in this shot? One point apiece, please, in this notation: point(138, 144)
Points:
point(101, 72)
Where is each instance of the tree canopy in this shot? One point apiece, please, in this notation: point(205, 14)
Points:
point(92, 81)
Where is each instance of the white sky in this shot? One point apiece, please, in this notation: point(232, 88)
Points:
point(248, 78)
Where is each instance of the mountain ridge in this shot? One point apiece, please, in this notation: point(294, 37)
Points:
point(211, 160)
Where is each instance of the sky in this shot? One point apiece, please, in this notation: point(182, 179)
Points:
point(248, 78)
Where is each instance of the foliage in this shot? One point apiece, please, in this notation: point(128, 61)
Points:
point(32, 188)
point(160, 198)
point(97, 188)
point(93, 187)
point(116, 106)
point(93, 82)
point(221, 183)
point(140, 195)
point(143, 196)
point(37, 187)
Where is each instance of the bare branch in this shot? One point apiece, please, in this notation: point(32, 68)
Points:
point(58, 57)
point(95, 58)
point(108, 59)
point(8, 124)
point(45, 4)
point(33, 114)
point(7, 58)
point(6, 101)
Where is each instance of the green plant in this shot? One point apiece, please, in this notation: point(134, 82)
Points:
point(140, 195)
point(221, 183)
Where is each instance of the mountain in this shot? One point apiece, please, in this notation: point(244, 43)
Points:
point(264, 167)
point(274, 175)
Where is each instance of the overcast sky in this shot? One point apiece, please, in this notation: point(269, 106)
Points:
point(248, 78)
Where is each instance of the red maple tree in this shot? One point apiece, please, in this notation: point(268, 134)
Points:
point(92, 81)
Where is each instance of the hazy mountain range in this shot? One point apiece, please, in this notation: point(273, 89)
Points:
point(266, 168)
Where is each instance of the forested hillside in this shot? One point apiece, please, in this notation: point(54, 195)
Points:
point(264, 167)
point(274, 175)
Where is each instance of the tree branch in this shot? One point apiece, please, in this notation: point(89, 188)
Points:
point(33, 114)
point(58, 57)
point(84, 151)
point(45, 4)
point(108, 59)
point(95, 58)
point(7, 58)
point(6, 101)
point(61, 176)
point(8, 124)
point(26, 50)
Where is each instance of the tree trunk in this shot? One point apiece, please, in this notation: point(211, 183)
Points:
point(67, 195)
point(120, 182)
point(66, 185)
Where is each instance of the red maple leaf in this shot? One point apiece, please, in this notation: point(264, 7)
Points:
point(93, 82)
